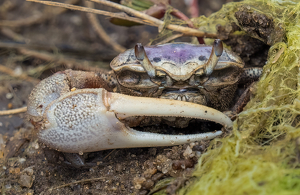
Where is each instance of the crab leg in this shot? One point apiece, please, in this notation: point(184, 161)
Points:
point(87, 120)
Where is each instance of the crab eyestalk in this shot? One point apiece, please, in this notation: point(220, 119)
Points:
point(216, 52)
point(142, 57)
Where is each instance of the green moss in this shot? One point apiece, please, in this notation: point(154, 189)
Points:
point(262, 153)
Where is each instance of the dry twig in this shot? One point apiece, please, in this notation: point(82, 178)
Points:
point(10, 72)
point(11, 34)
point(109, 154)
point(145, 19)
point(170, 38)
point(159, 23)
point(101, 32)
point(95, 11)
point(59, 60)
point(13, 111)
point(36, 18)
point(77, 182)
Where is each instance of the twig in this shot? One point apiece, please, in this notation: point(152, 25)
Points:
point(77, 182)
point(37, 18)
point(10, 72)
point(159, 23)
point(5, 6)
point(182, 16)
point(9, 179)
point(70, 63)
point(109, 154)
point(148, 20)
point(132, 12)
point(171, 38)
point(13, 111)
point(11, 34)
point(101, 32)
point(22, 21)
point(95, 11)
point(104, 55)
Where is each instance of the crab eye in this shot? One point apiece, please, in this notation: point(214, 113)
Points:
point(200, 79)
point(129, 78)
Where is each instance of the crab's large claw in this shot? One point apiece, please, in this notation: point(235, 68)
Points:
point(87, 120)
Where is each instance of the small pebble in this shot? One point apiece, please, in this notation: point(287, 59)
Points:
point(152, 151)
point(35, 145)
point(9, 106)
point(18, 71)
point(149, 172)
point(192, 144)
point(76, 20)
point(182, 164)
point(30, 192)
point(143, 192)
point(119, 168)
point(148, 184)
point(138, 186)
point(188, 151)
point(157, 176)
point(22, 160)
point(9, 96)
point(137, 181)
point(8, 186)
point(26, 180)
point(2, 144)
point(200, 148)
point(198, 154)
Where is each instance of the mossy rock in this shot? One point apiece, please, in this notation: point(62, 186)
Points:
point(262, 153)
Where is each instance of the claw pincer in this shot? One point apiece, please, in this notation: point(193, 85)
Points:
point(87, 120)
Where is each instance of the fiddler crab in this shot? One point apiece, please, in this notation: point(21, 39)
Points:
point(77, 111)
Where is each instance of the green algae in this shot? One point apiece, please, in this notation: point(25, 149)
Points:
point(262, 153)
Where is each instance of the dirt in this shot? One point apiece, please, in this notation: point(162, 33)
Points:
point(29, 167)
point(121, 171)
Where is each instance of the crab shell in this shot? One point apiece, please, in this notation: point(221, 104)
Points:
point(179, 60)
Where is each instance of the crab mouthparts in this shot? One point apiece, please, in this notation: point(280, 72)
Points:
point(189, 94)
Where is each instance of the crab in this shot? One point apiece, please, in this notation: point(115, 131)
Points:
point(78, 112)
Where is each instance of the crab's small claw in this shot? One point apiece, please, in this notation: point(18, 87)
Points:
point(87, 120)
